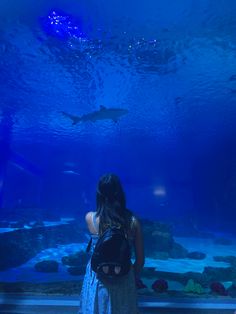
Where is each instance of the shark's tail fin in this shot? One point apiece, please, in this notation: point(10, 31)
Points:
point(75, 119)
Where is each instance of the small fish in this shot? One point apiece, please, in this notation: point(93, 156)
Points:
point(72, 172)
point(103, 114)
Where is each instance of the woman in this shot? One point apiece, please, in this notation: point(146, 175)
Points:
point(99, 297)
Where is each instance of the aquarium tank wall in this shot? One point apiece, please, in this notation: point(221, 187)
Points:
point(142, 89)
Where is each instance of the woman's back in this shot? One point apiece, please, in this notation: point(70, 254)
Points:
point(93, 224)
point(120, 297)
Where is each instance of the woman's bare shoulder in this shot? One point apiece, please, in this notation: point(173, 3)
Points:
point(89, 221)
point(88, 215)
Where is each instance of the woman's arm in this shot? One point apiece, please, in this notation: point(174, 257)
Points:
point(89, 222)
point(139, 248)
point(88, 219)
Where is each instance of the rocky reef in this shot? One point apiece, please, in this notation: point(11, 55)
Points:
point(162, 244)
point(76, 263)
point(20, 245)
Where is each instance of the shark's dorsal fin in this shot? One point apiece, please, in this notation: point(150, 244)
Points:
point(102, 107)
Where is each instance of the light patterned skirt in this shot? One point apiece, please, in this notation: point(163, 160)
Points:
point(99, 297)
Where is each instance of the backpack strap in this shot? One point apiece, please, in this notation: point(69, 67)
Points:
point(133, 225)
point(89, 245)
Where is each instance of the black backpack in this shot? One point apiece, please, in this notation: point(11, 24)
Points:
point(111, 257)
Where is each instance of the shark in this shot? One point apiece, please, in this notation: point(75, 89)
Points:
point(102, 114)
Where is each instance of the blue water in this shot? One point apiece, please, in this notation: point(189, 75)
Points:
point(171, 64)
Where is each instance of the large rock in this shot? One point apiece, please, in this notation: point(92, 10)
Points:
point(177, 251)
point(227, 259)
point(19, 246)
point(47, 266)
point(159, 242)
point(219, 273)
point(77, 259)
point(186, 227)
point(77, 262)
point(196, 255)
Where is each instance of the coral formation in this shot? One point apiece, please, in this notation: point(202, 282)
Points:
point(193, 287)
point(160, 286)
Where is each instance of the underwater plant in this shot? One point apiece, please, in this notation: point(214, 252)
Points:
point(160, 286)
point(218, 288)
point(139, 284)
point(193, 287)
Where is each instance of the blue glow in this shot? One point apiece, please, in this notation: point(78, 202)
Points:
point(62, 25)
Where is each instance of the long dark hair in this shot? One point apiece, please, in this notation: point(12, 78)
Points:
point(111, 204)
